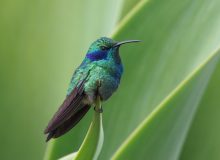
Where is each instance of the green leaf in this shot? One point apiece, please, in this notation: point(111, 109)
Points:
point(128, 5)
point(203, 141)
point(163, 133)
point(69, 157)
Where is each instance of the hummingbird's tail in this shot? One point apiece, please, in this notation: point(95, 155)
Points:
point(68, 124)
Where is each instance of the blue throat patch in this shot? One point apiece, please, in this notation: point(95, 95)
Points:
point(97, 55)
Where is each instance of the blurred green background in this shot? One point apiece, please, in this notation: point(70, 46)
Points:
point(171, 79)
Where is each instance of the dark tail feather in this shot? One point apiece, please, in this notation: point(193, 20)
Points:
point(68, 124)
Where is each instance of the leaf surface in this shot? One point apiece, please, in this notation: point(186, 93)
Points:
point(162, 134)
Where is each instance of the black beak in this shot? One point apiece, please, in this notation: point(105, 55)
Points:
point(123, 42)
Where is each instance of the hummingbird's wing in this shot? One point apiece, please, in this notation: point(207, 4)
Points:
point(70, 112)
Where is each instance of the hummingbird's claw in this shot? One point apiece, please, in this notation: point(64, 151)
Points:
point(99, 110)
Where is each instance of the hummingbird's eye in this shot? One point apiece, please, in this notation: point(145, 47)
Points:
point(103, 48)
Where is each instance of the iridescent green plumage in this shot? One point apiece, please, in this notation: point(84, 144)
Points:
point(98, 75)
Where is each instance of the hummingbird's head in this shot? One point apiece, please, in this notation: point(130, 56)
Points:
point(101, 44)
point(104, 47)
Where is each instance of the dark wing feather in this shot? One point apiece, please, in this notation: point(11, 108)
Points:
point(68, 124)
point(66, 110)
point(71, 105)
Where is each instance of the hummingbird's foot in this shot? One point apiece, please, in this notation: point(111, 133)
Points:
point(99, 110)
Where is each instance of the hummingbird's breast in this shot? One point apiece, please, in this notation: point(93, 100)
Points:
point(108, 74)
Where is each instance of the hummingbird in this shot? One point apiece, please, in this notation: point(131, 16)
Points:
point(99, 74)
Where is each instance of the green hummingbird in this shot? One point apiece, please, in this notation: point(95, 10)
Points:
point(98, 75)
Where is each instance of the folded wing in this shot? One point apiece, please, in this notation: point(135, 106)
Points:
point(70, 112)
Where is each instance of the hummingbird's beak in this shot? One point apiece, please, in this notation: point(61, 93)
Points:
point(123, 42)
